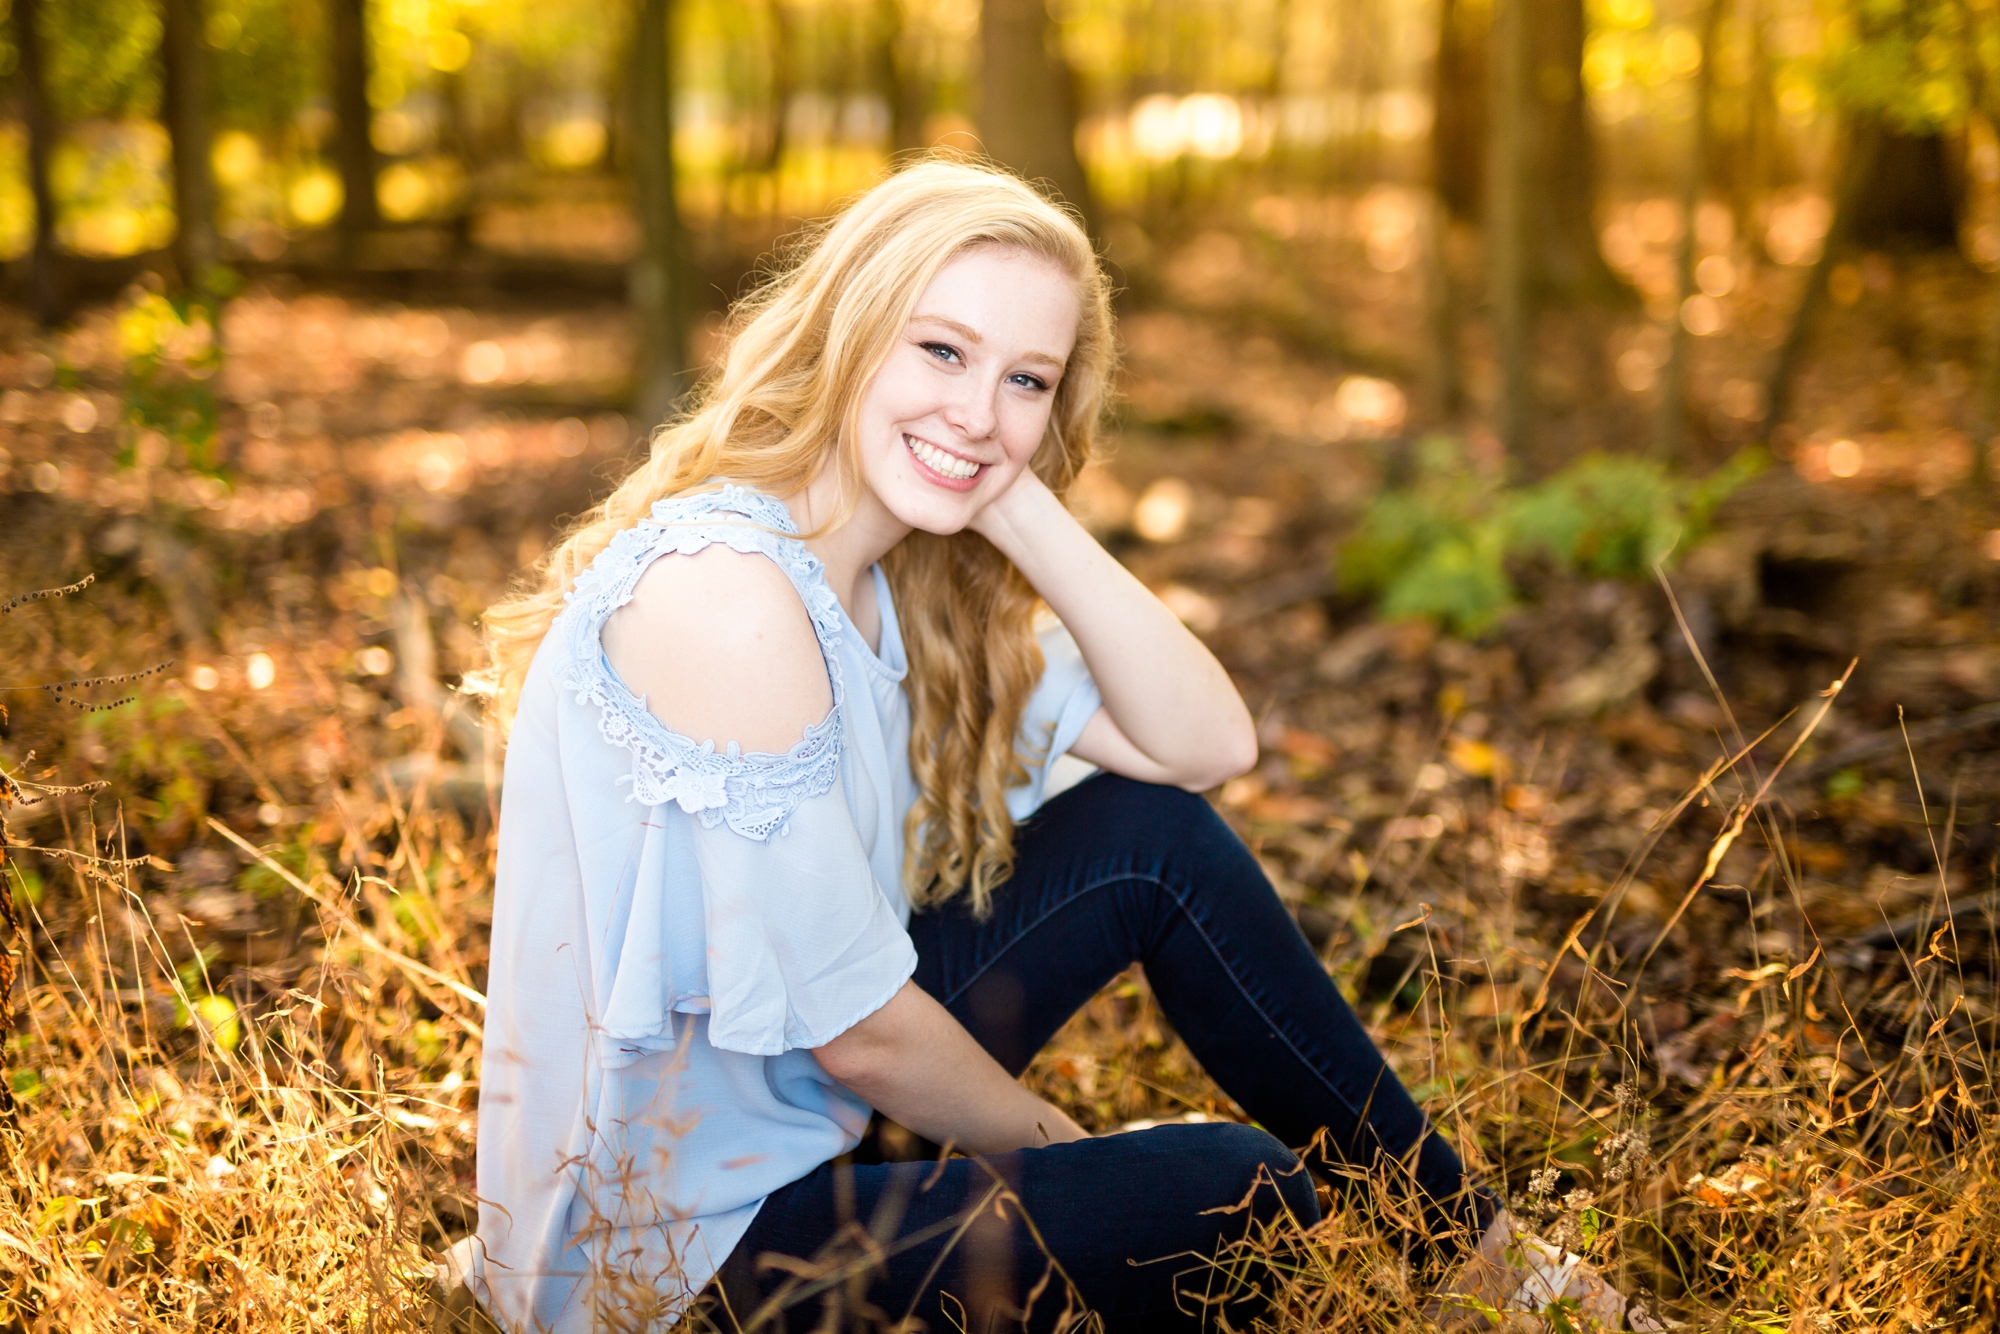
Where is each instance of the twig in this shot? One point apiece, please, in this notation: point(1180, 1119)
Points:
point(1876, 743)
point(1901, 929)
point(1734, 829)
point(46, 594)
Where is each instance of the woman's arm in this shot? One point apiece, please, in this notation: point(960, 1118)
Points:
point(1171, 714)
point(913, 1062)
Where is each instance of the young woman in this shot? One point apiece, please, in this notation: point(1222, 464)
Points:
point(774, 854)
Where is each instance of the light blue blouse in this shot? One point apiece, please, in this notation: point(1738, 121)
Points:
point(674, 927)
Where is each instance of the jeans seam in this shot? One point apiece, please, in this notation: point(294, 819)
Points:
point(1207, 940)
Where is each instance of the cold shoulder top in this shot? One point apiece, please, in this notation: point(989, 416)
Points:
point(674, 927)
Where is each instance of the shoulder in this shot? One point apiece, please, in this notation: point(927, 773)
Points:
point(721, 648)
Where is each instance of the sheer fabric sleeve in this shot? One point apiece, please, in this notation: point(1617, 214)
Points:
point(1064, 700)
point(784, 941)
point(802, 943)
point(746, 893)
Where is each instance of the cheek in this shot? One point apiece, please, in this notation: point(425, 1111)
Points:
point(899, 393)
point(1024, 431)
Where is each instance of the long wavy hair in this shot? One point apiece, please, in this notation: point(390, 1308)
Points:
point(782, 406)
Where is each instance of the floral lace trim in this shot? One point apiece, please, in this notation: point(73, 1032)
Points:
point(754, 793)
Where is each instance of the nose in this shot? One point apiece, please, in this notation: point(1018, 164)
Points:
point(970, 411)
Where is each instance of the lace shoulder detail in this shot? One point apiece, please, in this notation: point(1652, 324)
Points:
point(754, 793)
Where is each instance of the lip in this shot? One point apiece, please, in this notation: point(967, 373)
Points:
point(932, 475)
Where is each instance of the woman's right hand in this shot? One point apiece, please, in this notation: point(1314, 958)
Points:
point(916, 1064)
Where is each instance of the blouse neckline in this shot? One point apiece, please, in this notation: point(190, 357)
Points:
point(889, 662)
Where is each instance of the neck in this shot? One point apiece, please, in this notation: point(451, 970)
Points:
point(849, 549)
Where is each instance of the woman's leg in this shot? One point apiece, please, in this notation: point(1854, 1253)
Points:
point(1114, 871)
point(1130, 1220)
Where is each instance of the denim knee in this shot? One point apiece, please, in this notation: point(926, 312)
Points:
point(1173, 820)
point(1262, 1168)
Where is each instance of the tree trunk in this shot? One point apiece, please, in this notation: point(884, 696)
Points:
point(658, 280)
point(1897, 191)
point(897, 82)
point(1459, 149)
point(1460, 97)
point(353, 148)
point(1670, 426)
point(1914, 196)
point(1986, 405)
point(1858, 167)
point(185, 110)
point(45, 296)
point(1027, 107)
point(1564, 260)
point(784, 83)
point(1507, 227)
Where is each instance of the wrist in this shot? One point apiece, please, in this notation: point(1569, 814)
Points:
point(1016, 516)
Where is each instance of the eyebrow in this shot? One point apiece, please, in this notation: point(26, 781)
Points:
point(972, 335)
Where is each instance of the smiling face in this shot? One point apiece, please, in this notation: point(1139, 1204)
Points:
point(962, 402)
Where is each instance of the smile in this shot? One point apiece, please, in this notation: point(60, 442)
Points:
point(949, 466)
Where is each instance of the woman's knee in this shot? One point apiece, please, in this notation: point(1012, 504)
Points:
point(1169, 821)
point(1244, 1166)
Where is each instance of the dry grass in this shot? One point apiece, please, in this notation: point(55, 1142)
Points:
point(1818, 1154)
point(246, 1079)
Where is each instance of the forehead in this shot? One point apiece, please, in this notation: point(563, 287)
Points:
point(1018, 301)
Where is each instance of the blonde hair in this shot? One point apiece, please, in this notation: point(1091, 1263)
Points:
point(801, 351)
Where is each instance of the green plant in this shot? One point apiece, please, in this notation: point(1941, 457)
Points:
point(1442, 547)
point(171, 353)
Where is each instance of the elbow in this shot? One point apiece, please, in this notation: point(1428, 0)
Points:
point(852, 1059)
point(1235, 754)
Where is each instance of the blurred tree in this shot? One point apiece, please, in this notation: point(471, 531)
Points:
point(1906, 75)
point(1027, 100)
point(896, 79)
point(1670, 422)
point(1460, 94)
point(658, 283)
point(1564, 262)
point(784, 82)
point(185, 86)
point(1506, 216)
point(1559, 155)
point(44, 281)
point(354, 146)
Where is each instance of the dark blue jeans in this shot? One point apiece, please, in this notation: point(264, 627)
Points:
point(1110, 873)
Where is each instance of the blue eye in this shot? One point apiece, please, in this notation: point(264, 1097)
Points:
point(942, 351)
point(1027, 381)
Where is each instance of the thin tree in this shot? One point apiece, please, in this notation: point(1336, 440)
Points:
point(1455, 179)
point(185, 98)
point(658, 280)
point(1507, 225)
point(1564, 260)
point(1670, 426)
point(353, 146)
point(1027, 99)
point(44, 282)
point(898, 81)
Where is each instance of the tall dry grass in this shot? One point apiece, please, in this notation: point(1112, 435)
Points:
point(244, 1064)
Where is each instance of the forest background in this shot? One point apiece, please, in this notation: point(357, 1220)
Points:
point(1572, 423)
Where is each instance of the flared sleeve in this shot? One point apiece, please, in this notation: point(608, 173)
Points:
point(802, 943)
point(749, 896)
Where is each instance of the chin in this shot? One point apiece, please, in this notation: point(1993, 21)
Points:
point(940, 518)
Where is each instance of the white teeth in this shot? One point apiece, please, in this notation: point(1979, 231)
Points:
point(948, 465)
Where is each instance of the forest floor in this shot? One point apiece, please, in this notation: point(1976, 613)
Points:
point(1621, 886)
